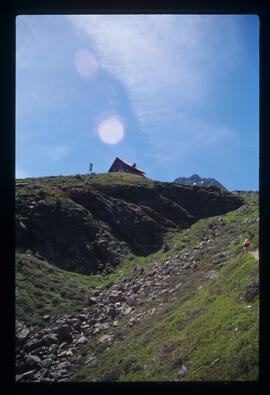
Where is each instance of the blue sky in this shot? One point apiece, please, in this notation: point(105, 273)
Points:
point(177, 94)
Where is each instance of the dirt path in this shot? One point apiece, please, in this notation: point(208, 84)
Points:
point(255, 254)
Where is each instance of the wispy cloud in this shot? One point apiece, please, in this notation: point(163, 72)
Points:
point(167, 64)
point(59, 152)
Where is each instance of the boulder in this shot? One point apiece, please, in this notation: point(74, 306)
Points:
point(49, 339)
point(82, 340)
point(33, 361)
point(92, 300)
point(33, 344)
point(64, 333)
point(22, 336)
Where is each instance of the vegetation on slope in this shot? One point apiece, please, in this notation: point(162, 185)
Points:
point(84, 224)
point(211, 328)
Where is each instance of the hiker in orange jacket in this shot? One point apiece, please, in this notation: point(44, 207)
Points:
point(246, 245)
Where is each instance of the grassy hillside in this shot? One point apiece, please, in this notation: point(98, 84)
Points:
point(207, 329)
point(211, 329)
point(214, 334)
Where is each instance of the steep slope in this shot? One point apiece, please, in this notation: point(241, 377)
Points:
point(186, 313)
point(199, 181)
point(85, 223)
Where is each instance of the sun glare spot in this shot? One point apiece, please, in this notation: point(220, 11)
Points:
point(111, 130)
point(86, 64)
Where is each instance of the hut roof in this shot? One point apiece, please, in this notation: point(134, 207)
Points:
point(128, 164)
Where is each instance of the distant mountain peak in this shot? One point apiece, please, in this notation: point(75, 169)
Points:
point(195, 179)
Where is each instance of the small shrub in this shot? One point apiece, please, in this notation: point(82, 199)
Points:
point(166, 247)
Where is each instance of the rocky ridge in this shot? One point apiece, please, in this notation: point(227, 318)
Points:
point(86, 226)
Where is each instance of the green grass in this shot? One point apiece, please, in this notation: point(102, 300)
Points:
point(86, 179)
point(213, 334)
point(45, 275)
point(212, 330)
point(44, 289)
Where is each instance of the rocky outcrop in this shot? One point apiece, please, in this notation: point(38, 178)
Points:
point(87, 228)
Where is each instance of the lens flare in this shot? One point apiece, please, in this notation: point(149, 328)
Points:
point(111, 130)
point(86, 64)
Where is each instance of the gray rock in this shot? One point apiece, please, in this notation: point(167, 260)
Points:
point(33, 361)
point(182, 371)
point(23, 226)
point(82, 340)
point(92, 300)
point(131, 301)
point(27, 375)
point(64, 333)
point(47, 363)
point(23, 335)
point(187, 265)
point(105, 338)
point(127, 311)
point(53, 347)
point(49, 339)
point(33, 344)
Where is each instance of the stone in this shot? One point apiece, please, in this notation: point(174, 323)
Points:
point(53, 347)
point(105, 338)
point(251, 292)
point(84, 327)
point(64, 333)
point(27, 375)
point(92, 300)
point(90, 360)
point(63, 365)
point(111, 312)
point(49, 339)
point(132, 321)
point(187, 265)
point(211, 275)
point(182, 371)
point(131, 301)
point(82, 340)
point(128, 310)
point(33, 361)
point(136, 288)
point(23, 226)
point(33, 344)
point(178, 286)
point(23, 335)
